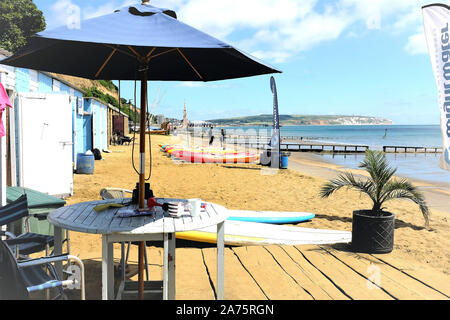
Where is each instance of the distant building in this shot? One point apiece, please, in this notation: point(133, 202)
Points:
point(160, 119)
point(185, 120)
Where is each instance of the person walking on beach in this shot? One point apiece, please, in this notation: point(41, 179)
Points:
point(210, 135)
point(222, 138)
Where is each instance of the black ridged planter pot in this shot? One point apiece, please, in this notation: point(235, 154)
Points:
point(372, 234)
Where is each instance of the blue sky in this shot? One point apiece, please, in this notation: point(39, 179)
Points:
point(353, 57)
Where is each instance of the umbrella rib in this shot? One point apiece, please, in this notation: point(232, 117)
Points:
point(122, 51)
point(190, 64)
point(134, 51)
point(106, 62)
point(161, 53)
point(150, 53)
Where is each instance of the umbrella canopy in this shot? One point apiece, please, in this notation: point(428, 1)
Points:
point(112, 46)
point(139, 42)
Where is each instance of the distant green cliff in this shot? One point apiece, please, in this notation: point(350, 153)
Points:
point(295, 120)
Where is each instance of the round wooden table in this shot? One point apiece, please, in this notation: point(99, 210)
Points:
point(82, 217)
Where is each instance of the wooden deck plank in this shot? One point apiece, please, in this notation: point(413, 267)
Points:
point(239, 285)
point(270, 277)
point(306, 275)
point(192, 281)
point(155, 257)
point(385, 277)
point(353, 284)
point(155, 261)
point(423, 273)
point(314, 274)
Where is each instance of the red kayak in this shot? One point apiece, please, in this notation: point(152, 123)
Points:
point(204, 157)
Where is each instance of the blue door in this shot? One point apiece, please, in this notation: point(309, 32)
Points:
point(87, 129)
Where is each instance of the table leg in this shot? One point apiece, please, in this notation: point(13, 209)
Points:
point(57, 232)
point(107, 269)
point(220, 260)
point(122, 260)
point(169, 267)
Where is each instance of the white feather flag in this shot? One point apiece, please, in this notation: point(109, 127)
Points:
point(436, 19)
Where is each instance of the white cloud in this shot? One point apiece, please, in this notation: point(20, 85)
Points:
point(222, 18)
point(64, 12)
point(373, 12)
point(108, 8)
point(194, 84)
point(414, 17)
point(276, 56)
point(417, 44)
point(279, 30)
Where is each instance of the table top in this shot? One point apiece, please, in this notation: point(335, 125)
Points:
point(82, 217)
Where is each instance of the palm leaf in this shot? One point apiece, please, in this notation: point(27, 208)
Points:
point(375, 163)
point(347, 180)
point(403, 189)
point(381, 186)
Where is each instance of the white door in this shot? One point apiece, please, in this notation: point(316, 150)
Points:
point(104, 126)
point(45, 143)
point(95, 126)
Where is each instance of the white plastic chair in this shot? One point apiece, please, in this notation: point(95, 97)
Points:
point(114, 193)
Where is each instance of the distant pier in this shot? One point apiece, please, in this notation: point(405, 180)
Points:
point(323, 147)
point(403, 149)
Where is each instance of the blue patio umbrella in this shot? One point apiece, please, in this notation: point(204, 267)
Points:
point(116, 46)
point(138, 42)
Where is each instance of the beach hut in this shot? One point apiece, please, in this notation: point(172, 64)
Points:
point(41, 130)
point(97, 138)
point(117, 123)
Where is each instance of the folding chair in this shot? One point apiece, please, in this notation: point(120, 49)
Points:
point(26, 243)
point(20, 278)
point(118, 193)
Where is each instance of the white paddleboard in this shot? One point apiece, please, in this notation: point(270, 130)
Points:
point(242, 233)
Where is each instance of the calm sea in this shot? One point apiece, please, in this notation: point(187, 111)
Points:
point(418, 166)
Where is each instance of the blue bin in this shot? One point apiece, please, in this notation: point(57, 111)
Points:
point(85, 163)
point(284, 160)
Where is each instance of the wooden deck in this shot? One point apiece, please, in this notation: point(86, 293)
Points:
point(307, 272)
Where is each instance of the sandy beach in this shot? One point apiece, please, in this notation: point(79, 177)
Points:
point(245, 186)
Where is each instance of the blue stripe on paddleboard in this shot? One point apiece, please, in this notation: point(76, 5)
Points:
point(276, 220)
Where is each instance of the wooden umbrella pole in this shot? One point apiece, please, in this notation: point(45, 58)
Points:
point(142, 173)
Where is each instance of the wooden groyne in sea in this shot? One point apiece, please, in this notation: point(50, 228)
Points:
point(403, 149)
point(303, 144)
point(334, 148)
point(323, 147)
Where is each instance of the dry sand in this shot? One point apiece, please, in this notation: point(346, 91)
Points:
point(244, 186)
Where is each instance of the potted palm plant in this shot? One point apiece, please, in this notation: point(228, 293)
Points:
point(373, 230)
